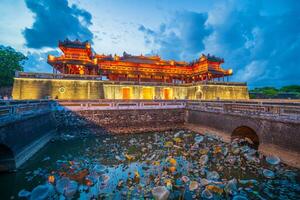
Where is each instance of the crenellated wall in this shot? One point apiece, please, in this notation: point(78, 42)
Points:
point(39, 88)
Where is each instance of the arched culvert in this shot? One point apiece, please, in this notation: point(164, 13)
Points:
point(245, 132)
point(7, 159)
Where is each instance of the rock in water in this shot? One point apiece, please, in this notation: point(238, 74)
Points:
point(178, 133)
point(206, 194)
point(99, 169)
point(42, 192)
point(71, 189)
point(203, 160)
point(199, 139)
point(66, 187)
point(204, 182)
point(193, 185)
point(214, 176)
point(160, 193)
point(24, 194)
point(185, 179)
point(273, 160)
point(239, 197)
point(104, 179)
point(231, 187)
point(268, 173)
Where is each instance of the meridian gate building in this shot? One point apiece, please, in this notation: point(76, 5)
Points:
point(79, 73)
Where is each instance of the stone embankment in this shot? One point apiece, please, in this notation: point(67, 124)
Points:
point(123, 121)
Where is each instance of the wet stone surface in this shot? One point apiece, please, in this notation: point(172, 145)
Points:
point(166, 165)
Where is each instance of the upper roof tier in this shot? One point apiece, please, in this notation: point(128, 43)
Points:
point(78, 57)
point(69, 46)
point(74, 44)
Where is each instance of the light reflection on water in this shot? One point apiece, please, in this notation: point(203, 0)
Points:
point(130, 166)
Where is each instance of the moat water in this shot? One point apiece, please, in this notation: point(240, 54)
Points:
point(166, 165)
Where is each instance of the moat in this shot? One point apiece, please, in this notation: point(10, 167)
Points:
point(172, 164)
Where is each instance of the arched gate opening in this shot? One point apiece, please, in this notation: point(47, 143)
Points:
point(7, 159)
point(245, 132)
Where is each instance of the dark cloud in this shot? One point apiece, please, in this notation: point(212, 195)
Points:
point(181, 38)
point(260, 45)
point(56, 20)
point(260, 41)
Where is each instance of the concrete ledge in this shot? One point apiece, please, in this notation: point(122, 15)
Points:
point(204, 129)
point(33, 148)
point(291, 158)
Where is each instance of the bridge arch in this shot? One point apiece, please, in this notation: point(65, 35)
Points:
point(7, 159)
point(246, 132)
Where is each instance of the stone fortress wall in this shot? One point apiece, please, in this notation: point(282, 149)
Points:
point(38, 88)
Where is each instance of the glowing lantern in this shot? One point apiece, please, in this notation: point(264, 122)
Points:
point(51, 179)
point(172, 169)
point(173, 161)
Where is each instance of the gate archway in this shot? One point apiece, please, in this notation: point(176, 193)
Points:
point(7, 159)
point(244, 132)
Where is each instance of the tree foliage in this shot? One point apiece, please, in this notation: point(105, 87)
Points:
point(10, 61)
point(291, 88)
point(271, 92)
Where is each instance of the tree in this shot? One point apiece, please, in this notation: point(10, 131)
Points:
point(291, 88)
point(10, 61)
point(268, 91)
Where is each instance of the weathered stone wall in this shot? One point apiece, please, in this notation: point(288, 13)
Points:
point(218, 92)
point(123, 121)
point(136, 91)
point(38, 88)
point(57, 88)
point(270, 132)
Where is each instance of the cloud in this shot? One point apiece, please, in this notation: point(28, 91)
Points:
point(37, 61)
point(259, 44)
point(256, 69)
point(259, 40)
point(181, 38)
point(56, 20)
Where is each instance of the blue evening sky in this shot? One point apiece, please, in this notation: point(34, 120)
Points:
point(259, 40)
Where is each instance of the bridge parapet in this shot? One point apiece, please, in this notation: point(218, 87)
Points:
point(269, 109)
point(285, 110)
point(11, 111)
point(118, 105)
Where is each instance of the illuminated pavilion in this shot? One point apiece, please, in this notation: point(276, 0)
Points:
point(80, 73)
point(78, 58)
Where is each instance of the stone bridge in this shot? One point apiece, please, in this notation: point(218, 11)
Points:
point(25, 126)
point(269, 125)
point(272, 126)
